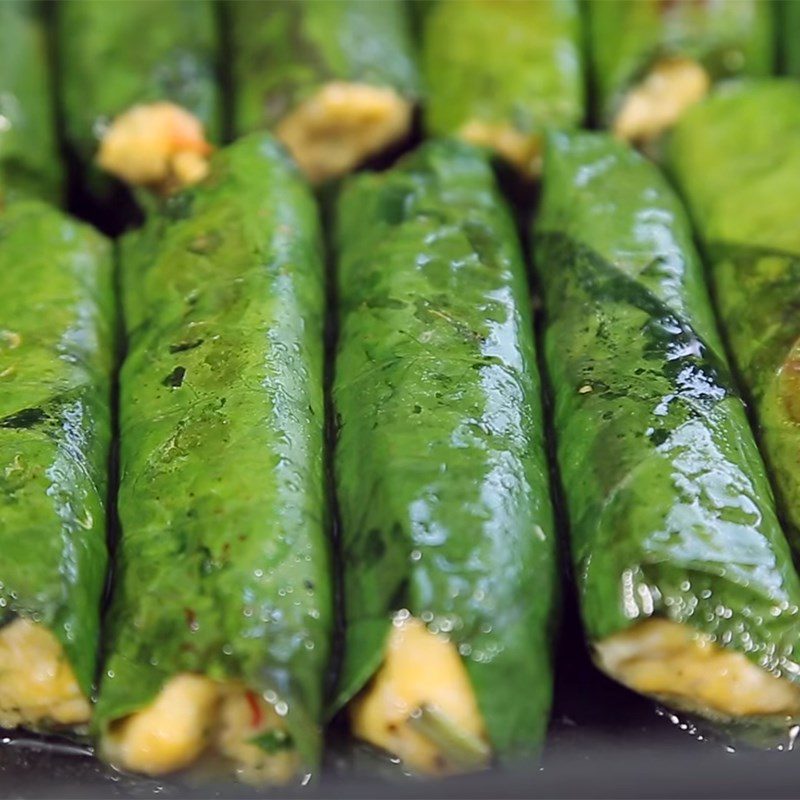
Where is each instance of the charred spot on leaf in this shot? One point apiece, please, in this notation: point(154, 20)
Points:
point(26, 418)
point(175, 378)
point(182, 347)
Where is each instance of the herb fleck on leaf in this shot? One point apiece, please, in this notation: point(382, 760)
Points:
point(175, 378)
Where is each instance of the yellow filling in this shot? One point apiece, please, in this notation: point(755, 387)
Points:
point(420, 670)
point(193, 716)
point(160, 146)
point(523, 151)
point(661, 98)
point(664, 658)
point(342, 125)
point(37, 684)
point(789, 386)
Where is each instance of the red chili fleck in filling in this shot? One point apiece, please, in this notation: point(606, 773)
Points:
point(256, 714)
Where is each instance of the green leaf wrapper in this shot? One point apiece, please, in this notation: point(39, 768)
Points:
point(223, 564)
point(285, 50)
point(56, 358)
point(626, 37)
point(114, 55)
point(29, 158)
point(503, 63)
point(669, 506)
point(440, 465)
point(736, 158)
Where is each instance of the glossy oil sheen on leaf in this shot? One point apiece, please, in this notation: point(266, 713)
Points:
point(56, 358)
point(737, 161)
point(223, 565)
point(669, 507)
point(440, 464)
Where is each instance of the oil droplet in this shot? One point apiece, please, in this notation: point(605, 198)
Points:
point(416, 555)
point(227, 649)
point(281, 709)
point(400, 617)
point(793, 732)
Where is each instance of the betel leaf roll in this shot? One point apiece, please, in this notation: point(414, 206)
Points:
point(736, 158)
point(335, 80)
point(448, 549)
point(499, 74)
point(139, 89)
point(218, 632)
point(651, 60)
point(56, 357)
point(686, 584)
point(29, 157)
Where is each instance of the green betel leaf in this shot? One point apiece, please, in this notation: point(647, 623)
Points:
point(223, 560)
point(736, 159)
point(30, 164)
point(286, 50)
point(440, 465)
point(626, 39)
point(57, 353)
point(670, 510)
